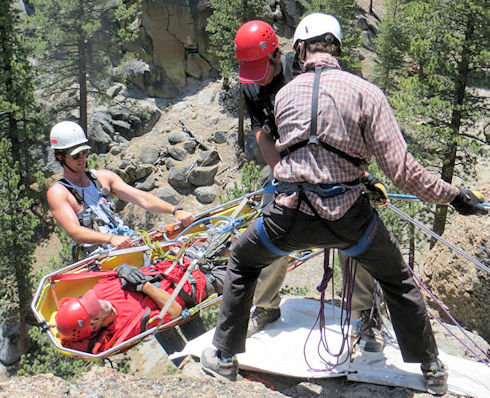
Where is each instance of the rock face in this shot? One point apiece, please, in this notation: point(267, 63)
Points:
point(173, 44)
point(459, 284)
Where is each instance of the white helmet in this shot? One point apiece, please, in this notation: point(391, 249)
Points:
point(68, 135)
point(317, 24)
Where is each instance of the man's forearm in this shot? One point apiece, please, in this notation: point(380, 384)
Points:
point(267, 148)
point(160, 297)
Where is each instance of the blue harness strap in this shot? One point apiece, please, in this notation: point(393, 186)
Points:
point(264, 238)
point(366, 238)
point(322, 190)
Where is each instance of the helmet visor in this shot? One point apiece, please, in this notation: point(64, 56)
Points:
point(253, 71)
point(73, 151)
point(91, 303)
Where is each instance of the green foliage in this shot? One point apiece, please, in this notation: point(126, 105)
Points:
point(227, 17)
point(294, 291)
point(17, 226)
point(94, 162)
point(249, 182)
point(344, 11)
point(66, 247)
point(433, 100)
point(21, 120)
point(76, 42)
point(44, 358)
point(171, 369)
point(431, 52)
point(390, 52)
point(403, 230)
point(210, 316)
point(128, 15)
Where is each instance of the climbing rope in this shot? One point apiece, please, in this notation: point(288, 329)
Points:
point(436, 300)
point(419, 225)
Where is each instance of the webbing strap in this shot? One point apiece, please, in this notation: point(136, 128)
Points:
point(366, 238)
point(82, 275)
point(314, 102)
point(322, 190)
point(313, 126)
point(264, 238)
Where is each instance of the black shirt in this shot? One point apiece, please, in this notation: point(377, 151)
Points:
point(259, 100)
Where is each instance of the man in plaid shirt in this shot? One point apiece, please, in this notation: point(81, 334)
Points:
point(259, 87)
point(333, 122)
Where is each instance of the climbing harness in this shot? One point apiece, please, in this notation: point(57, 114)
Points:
point(322, 190)
point(313, 139)
point(98, 212)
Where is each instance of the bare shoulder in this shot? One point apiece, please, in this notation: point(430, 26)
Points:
point(106, 177)
point(56, 194)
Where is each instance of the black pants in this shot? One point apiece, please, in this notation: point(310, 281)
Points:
point(292, 230)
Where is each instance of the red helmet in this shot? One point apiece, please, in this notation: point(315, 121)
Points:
point(73, 317)
point(255, 40)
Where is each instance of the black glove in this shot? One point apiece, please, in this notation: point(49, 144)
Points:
point(125, 285)
point(469, 202)
point(131, 275)
point(376, 190)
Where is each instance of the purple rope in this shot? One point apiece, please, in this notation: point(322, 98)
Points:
point(348, 287)
point(456, 323)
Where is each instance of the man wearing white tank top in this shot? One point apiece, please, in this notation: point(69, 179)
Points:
point(81, 203)
point(102, 225)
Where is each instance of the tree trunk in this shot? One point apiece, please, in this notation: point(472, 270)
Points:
point(24, 296)
point(447, 171)
point(82, 68)
point(241, 133)
point(82, 81)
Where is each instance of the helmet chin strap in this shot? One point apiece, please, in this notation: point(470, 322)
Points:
point(66, 165)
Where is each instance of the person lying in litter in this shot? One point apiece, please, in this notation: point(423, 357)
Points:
point(122, 306)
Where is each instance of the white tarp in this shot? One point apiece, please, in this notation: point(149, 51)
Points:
point(280, 349)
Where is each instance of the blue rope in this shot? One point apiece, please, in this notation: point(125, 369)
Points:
point(413, 197)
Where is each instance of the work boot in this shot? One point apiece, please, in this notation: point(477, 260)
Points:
point(211, 364)
point(435, 375)
point(260, 318)
point(368, 333)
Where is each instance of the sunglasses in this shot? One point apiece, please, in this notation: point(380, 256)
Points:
point(85, 152)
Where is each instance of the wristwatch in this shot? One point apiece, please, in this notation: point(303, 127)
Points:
point(176, 209)
point(266, 128)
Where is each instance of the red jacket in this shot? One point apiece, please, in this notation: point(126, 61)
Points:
point(134, 308)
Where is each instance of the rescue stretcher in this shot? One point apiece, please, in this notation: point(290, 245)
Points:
point(217, 226)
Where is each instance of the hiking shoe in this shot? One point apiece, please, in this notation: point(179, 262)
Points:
point(214, 366)
point(368, 333)
point(435, 375)
point(260, 318)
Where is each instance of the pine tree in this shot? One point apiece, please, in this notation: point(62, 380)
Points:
point(445, 53)
point(391, 45)
point(21, 134)
point(17, 230)
point(21, 122)
point(227, 17)
point(74, 41)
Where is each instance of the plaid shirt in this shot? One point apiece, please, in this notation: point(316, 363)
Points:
point(355, 117)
